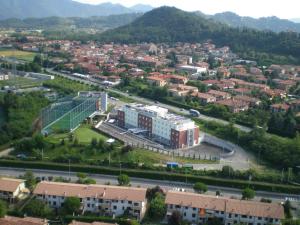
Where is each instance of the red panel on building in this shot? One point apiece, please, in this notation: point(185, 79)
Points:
point(121, 118)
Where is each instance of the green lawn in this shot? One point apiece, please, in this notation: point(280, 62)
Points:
point(85, 134)
point(21, 82)
point(21, 55)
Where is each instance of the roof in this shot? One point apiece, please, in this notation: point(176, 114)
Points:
point(9, 220)
point(93, 191)
point(242, 207)
point(9, 184)
point(94, 223)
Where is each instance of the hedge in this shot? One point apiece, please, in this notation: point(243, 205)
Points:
point(90, 219)
point(155, 175)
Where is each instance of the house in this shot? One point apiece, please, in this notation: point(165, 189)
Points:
point(12, 189)
point(102, 199)
point(156, 81)
point(178, 90)
point(284, 84)
point(10, 220)
point(276, 108)
point(199, 209)
point(206, 98)
point(4, 77)
point(242, 91)
point(234, 105)
point(295, 104)
point(249, 100)
point(220, 95)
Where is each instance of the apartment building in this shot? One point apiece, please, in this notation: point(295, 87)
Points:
point(198, 209)
point(12, 189)
point(10, 220)
point(106, 200)
point(4, 77)
point(160, 125)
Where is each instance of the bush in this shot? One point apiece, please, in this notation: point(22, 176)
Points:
point(37, 208)
point(123, 180)
point(200, 187)
point(71, 205)
point(248, 194)
point(3, 208)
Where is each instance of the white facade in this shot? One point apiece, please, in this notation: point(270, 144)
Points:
point(198, 209)
point(105, 200)
point(4, 77)
point(104, 105)
point(11, 189)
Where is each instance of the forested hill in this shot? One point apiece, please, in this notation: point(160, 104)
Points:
point(169, 24)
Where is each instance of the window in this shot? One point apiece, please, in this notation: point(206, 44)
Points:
point(193, 215)
point(244, 216)
point(88, 198)
point(88, 205)
point(229, 215)
point(115, 207)
point(184, 214)
point(129, 202)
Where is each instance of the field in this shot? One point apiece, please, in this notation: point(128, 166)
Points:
point(20, 82)
point(20, 55)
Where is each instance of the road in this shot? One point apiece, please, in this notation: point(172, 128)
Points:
point(147, 101)
point(147, 183)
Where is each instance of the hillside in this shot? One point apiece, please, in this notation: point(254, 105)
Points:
point(61, 8)
point(266, 23)
point(168, 24)
point(103, 22)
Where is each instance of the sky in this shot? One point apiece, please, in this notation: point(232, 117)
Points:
point(286, 9)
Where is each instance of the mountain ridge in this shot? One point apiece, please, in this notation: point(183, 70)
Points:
point(22, 9)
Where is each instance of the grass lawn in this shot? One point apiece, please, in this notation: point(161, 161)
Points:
point(21, 55)
point(84, 134)
point(140, 155)
point(21, 82)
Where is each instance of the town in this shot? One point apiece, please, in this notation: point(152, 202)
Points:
point(128, 130)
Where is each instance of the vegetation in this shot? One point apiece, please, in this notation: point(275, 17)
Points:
point(248, 194)
point(21, 112)
point(172, 25)
point(19, 55)
point(175, 218)
point(3, 208)
point(37, 208)
point(71, 205)
point(157, 208)
point(123, 180)
point(30, 180)
point(200, 187)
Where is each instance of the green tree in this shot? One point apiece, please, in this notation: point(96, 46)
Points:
point(123, 180)
point(37, 208)
point(248, 194)
point(227, 171)
point(175, 218)
point(200, 187)
point(287, 209)
point(71, 205)
point(30, 180)
point(157, 209)
point(3, 208)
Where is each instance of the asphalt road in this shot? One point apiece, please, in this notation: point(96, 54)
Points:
point(146, 183)
point(147, 101)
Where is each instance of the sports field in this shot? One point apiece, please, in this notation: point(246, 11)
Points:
point(21, 82)
point(21, 55)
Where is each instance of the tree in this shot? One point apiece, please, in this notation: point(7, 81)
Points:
point(37, 208)
point(81, 175)
point(71, 205)
point(152, 192)
point(287, 209)
point(175, 218)
point(214, 221)
point(30, 180)
point(94, 142)
point(157, 209)
point(3, 208)
point(227, 171)
point(123, 180)
point(200, 187)
point(248, 194)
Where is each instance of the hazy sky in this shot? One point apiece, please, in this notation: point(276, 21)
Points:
point(255, 8)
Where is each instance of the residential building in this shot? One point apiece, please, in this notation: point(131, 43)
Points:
point(275, 108)
point(10, 220)
point(105, 200)
point(12, 189)
point(249, 100)
point(205, 98)
point(234, 105)
point(192, 69)
point(159, 125)
point(156, 81)
point(198, 209)
point(178, 90)
point(220, 95)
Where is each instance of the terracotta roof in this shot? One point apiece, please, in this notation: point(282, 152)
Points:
point(218, 93)
point(94, 223)
point(9, 220)
point(258, 209)
point(93, 191)
point(9, 184)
